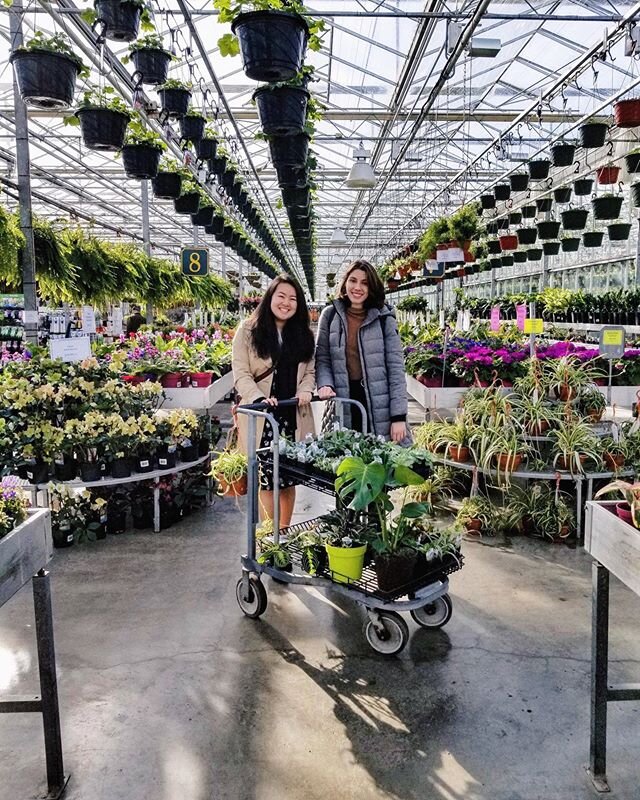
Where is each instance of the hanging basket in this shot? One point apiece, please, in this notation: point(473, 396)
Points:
point(534, 254)
point(515, 218)
point(272, 44)
point(187, 203)
point(574, 219)
point(562, 154)
point(175, 102)
point(520, 256)
point(228, 179)
point(539, 169)
point(632, 160)
point(492, 228)
point(166, 185)
point(45, 79)
point(507, 261)
point(291, 177)
point(206, 148)
point(635, 194)
point(607, 175)
point(152, 64)
point(493, 246)
point(527, 235)
point(502, 191)
point(283, 110)
point(607, 207)
point(122, 19)
point(289, 151)
point(570, 244)
point(502, 223)
point(192, 128)
point(203, 216)
point(548, 229)
point(141, 161)
point(495, 263)
point(102, 128)
point(217, 165)
point(583, 187)
point(296, 197)
point(509, 242)
point(487, 201)
point(562, 195)
point(592, 238)
point(528, 212)
point(619, 231)
point(626, 113)
point(544, 204)
point(551, 248)
point(593, 134)
point(519, 181)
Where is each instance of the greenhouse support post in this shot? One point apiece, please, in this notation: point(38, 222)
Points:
point(28, 258)
point(146, 235)
point(638, 256)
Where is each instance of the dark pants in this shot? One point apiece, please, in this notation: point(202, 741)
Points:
point(357, 392)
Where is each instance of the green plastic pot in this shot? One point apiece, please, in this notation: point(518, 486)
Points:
point(346, 563)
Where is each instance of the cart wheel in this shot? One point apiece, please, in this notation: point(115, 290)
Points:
point(256, 603)
point(395, 636)
point(434, 615)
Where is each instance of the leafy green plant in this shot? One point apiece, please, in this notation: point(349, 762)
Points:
point(173, 83)
point(229, 466)
point(90, 15)
point(96, 98)
point(150, 42)
point(58, 43)
point(574, 443)
point(476, 508)
point(138, 133)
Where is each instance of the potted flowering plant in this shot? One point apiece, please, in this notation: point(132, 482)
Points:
point(184, 431)
point(13, 508)
point(141, 151)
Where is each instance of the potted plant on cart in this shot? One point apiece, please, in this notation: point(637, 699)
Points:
point(229, 469)
point(453, 440)
point(629, 510)
point(142, 150)
point(103, 119)
point(592, 404)
point(150, 58)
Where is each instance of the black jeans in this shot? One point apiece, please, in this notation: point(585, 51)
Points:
point(357, 392)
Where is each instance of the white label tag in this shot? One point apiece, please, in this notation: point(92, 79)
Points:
point(163, 462)
point(144, 463)
point(70, 537)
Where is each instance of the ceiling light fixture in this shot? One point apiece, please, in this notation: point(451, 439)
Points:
point(361, 175)
point(338, 238)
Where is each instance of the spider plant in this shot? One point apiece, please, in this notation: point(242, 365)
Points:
point(534, 413)
point(573, 444)
point(551, 512)
point(535, 382)
point(500, 446)
point(435, 491)
point(476, 514)
point(592, 403)
point(568, 376)
point(487, 406)
point(453, 439)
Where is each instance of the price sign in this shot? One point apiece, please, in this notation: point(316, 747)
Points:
point(495, 318)
point(433, 269)
point(612, 341)
point(76, 349)
point(521, 315)
point(533, 326)
point(195, 261)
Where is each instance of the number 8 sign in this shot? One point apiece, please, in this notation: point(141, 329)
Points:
point(195, 261)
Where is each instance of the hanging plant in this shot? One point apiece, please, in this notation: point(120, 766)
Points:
point(519, 181)
point(192, 126)
point(291, 151)
point(529, 212)
point(619, 231)
point(122, 18)
point(539, 169)
point(548, 229)
point(103, 118)
point(583, 187)
point(282, 106)
point(607, 175)
point(142, 150)
point(56, 276)
point(46, 70)
point(544, 204)
point(551, 248)
point(570, 244)
point(206, 147)
point(607, 207)
point(574, 219)
point(632, 161)
point(593, 134)
point(189, 200)
point(592, 238)
point(502, 191)
point(175, 97)
point(167, 183)
point(562, 154)
point(562, 195)
point(150, 59)
point(11, 242)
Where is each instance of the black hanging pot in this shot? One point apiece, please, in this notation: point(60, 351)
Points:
point(574, 219)
point(507, 261)
point(167, 185)
point(296, 197)
point(570, 244)
point(527, 235)
point(217, 165)
point(206, 148)
point(216, 226)
point(528, 212)
point(493, 246)
point(632, 160)
point(519, 181)
point(65, 469)
point(152, 64)
point(520, 256)
point(539, 169)
point(635, 193)
point(45, 79)
point(534, 254)
point(551, 248)
point(228, 178)
point(204, 215)
point(175, 102)
point(192, 128)
point(502, 191)
point(548, 229)
point(607, 207)
point(492, 227)
point(592, 238)
point(544, 204)
point(487, 201)
point(283, 110)
point(593, 134)
point(227, 234)
point(141, 160)
point(562, 195)
point(562, 154)
point(619, 231)
point(122, 19)
point(120, 468)
point(187, 203)
point(515, 218)
point(583, 187)
point(290, 151)
point(495, 263)
point(272, 44)
point(102, 128)
point(502, 223)
point(291, 177)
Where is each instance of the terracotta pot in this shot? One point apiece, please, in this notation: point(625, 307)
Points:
point(201, 379)
point(627, 113)
point(565, 393)
point(608, 175)
point(459, 453)
point(508, 461)
point(593, 415)
point(236, 489)
point(562, 464)
point(473, 525)
point(614, 462)
point(623, 510)
point(539, 429)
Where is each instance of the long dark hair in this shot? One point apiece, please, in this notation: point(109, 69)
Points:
point(296, 334)
point(375, 298)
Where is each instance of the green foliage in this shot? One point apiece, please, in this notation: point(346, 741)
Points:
point(96, 98)
point(138, 133)
point(58, 43)
point(172, 83)
point(11, 241)
point(151, 42)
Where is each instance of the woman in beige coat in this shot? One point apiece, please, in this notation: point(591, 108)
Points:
point(273, 359)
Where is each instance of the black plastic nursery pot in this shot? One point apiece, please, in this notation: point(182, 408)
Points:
point(570, 244)
point(515, 218)
point(534, 254)
point(90, 471)
point(548, 229)
point(395, 570)
point(493, 247)
point(187, 203)
point(144, 462)
point(65, 469)
point(282, 110)
point(574, 219)
point(520, 256)
point(562, 194)
point(45, 79)
point(204, 215)
point(502, 191)
point(507, 261)
point(632, 160)
point(228, 178)
point(122, 19)
point(37, 472)
point(529, 212)
point(296, 197)
point(593, 134)
point(492, 227)
point(527, 235)
point(175, 102)
point(216, 226)
point(141, 160)
point(292, 177)
point(503, 223)
point(289, 151)
point(635, 193)
point(152, 64)
point(544, 204)
point(166, 458)
point(583, 187)
point(607, 207)
point(495, 263)
point(487, 201)
point(120, 468)
point(102, 128)
point(62, 535)
point(539, 169)
point(167, 185)
point(189, 453)
point(192, 128)
point(116, 522)
point(592, 238)
point(142, 515)
point(217, 165)
point(519, 181)
point(551, 248)
point(206, 148)
point(272, 44)
point(562, 154)
point(619, 231)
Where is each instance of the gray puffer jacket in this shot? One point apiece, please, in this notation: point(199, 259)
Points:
point(381, 357)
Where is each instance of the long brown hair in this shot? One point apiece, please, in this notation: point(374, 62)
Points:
point(375, 298)
point(296, 332)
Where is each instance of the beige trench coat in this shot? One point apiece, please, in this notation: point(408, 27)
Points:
point(246, 364)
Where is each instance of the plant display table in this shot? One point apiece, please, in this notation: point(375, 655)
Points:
point(24, 554)
point(615, 548)
point(199, 399)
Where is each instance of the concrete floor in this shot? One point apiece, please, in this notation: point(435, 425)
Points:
point(168, 692)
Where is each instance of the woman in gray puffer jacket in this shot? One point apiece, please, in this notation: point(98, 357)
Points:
point(359, 354)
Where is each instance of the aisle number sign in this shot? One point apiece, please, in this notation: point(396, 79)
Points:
point(533, 326)
point(195, 261)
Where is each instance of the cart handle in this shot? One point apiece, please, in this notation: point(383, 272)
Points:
point(262, 406)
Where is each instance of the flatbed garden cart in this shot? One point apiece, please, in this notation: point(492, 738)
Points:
point(425, 597)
